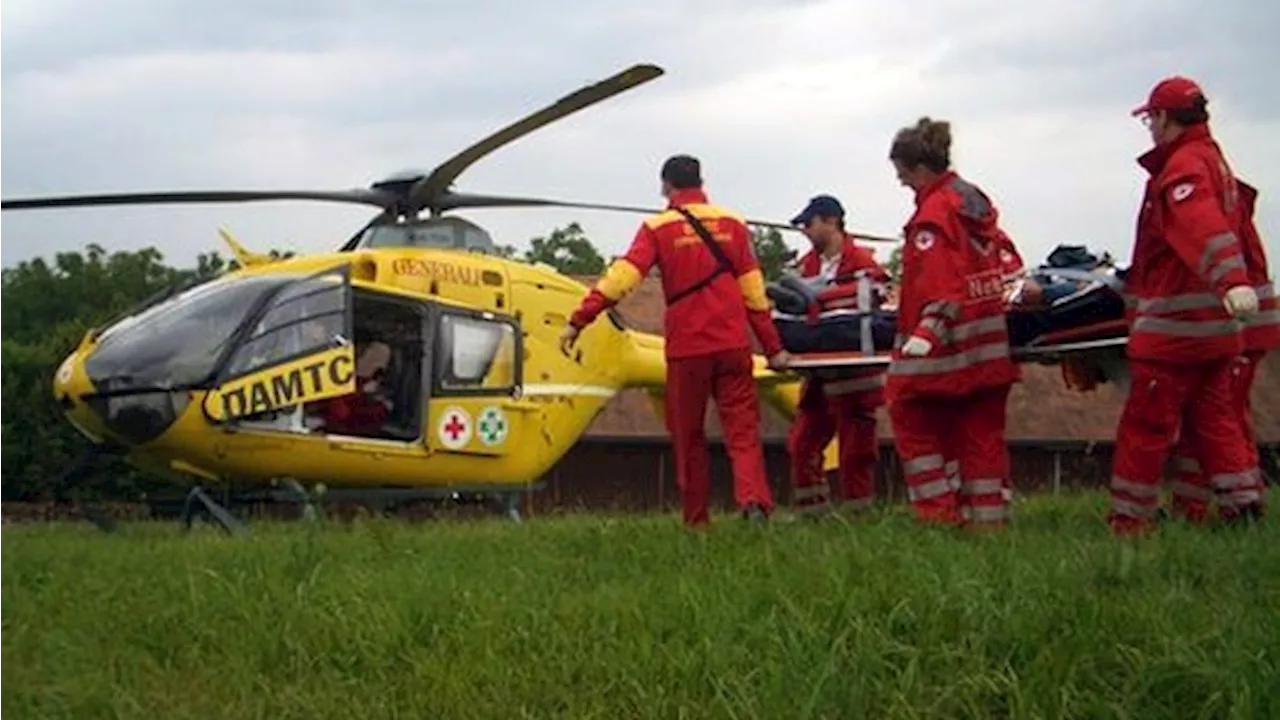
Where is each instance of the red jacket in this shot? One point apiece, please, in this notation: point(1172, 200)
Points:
point(1262, 331)
point(855, 262)
point(952, 295)
point(1187, 254)
point(717, 317)
point(354, 414)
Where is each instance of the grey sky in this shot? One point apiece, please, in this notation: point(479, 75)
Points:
point(781, 100)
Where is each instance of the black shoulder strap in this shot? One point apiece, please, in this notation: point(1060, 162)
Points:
point(722, 260)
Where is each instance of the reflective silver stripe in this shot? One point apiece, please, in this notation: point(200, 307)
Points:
point(859, 503)
point(804, 493)
point(1235, 262)
point(932, 489)
point(1186, 464)
point(924, 463)
point(1187, 490)
point(1240, 498)
point(1125, 507)
point(1186, 328)
point(1265, 291)
point(970, 330)
point(944, 308)
point(951, 363)
point(1178, 303)
point(1267, 317)
point(1134, 488)
point(852, 385)
point(983, 513)
point(1230, 481)
point(951, 468)
point(1212, 247)
point(985, 486)
point(935, 324)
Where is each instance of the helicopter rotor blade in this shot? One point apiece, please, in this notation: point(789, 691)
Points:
point(453, 200)
point(359, 196)
point(428, 190)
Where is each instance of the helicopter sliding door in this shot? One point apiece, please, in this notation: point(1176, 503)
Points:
point(295, 350)
point(476, 379)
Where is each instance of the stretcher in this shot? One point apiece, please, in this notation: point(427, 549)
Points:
point(1081, 313)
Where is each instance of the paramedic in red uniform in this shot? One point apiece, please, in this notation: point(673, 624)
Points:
point(843, 406)
point(1205, 218)
point(950, 371)
point(1189, 291)
point(713, 306)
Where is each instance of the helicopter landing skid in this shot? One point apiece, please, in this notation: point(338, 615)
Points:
point(221, 515)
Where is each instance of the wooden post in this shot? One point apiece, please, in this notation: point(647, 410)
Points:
point(1057, 471)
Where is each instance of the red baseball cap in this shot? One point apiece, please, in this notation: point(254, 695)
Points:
point(1173, 93)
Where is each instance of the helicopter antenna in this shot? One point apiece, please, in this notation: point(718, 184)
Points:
point(243, 255)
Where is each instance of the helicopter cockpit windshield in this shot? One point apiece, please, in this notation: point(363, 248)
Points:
point(178, 342)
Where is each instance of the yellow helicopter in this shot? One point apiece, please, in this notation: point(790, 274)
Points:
point(410, 363)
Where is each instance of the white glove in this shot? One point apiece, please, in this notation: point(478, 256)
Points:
point(1241, 300)
point(916, 346)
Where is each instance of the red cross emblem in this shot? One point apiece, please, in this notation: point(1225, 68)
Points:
point(454, 427)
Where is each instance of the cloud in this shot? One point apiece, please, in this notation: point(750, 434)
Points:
point(781, 100)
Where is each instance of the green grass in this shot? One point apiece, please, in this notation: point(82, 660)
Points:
point(633, 617)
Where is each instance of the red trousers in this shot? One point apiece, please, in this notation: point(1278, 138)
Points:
point(726, 377)
point(1200, 403)
point(1193, 490)
point(846, 408)
point(954, 456)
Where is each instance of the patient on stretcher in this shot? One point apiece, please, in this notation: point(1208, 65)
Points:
point(1077, 290)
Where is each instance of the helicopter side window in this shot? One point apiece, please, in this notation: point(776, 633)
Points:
point(304, 318)
point(477, 354)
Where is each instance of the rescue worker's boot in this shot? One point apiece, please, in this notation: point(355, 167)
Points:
point(755, 514)
point(1245, 516)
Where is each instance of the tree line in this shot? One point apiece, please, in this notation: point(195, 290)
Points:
point(48, 305)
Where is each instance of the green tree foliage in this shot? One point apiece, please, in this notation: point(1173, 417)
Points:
point(894, 265)
point(568, 250)
point(772, 252)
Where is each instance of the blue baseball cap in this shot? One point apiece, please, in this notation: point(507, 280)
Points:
point(819, 206)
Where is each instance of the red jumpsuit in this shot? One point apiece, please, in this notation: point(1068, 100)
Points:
point(1183, 346)
point(1192, 490)
point(845, 405)
point(708, 344)
point(948, 407)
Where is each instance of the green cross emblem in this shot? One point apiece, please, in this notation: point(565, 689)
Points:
point(493, 426)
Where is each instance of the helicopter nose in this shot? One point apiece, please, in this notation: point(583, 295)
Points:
point(70, 383)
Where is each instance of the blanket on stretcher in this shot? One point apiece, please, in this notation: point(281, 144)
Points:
point(813, 316)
